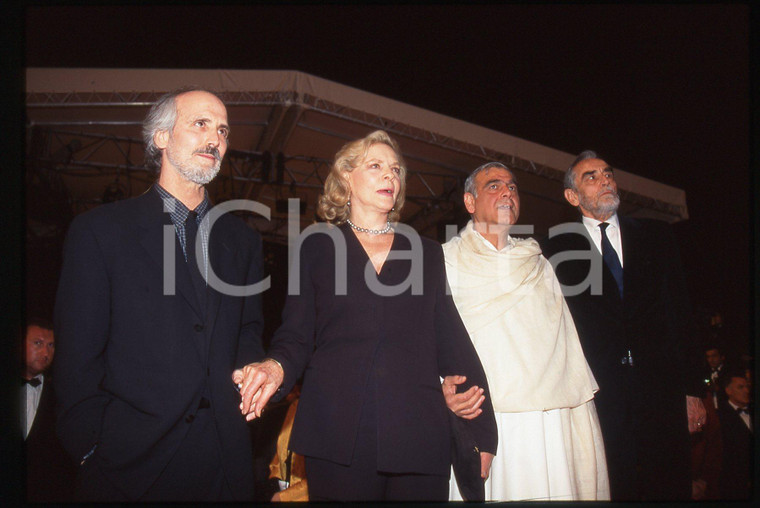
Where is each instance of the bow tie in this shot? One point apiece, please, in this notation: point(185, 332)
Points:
point(741, 410)
point(34, 382)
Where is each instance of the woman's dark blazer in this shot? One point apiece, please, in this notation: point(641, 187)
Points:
point(406, 341)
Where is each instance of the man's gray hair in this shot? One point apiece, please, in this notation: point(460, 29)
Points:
point(469, 184)
point(570, 175)
point(162, 117)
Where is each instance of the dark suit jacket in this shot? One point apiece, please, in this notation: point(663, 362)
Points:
point(642, 409)
point(736, 471)
point(404, 342)
point(133, 362)
point(50, 472)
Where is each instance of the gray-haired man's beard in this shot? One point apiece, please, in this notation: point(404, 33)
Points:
point(602, 208)
point(195, 172)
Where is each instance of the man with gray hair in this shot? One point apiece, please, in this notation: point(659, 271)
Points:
point(146, 346)
point(625, 289)
point(550, 443)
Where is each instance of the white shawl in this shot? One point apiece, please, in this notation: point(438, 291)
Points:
point(512, 306)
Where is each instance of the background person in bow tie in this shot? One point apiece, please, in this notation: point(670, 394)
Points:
point(49, 470)
point(716, 360)
point(736, 427)
point(634, 333)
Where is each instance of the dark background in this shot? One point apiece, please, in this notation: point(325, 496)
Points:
point(659, 91)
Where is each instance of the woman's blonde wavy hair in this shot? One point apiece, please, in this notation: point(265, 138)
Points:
point(333, 203)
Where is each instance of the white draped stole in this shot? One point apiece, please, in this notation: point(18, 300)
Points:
point(512, 306)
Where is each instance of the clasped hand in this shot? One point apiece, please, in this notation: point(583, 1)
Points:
point(258, 382)
point(467, 405)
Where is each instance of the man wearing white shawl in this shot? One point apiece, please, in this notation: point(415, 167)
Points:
point(550, 442)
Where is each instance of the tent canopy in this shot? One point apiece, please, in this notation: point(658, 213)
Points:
point(84, 136)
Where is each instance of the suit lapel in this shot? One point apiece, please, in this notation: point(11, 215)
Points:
point(633, 257)
point(41, 417)
point(183, 281)
point(216, 251)
point(610, 294)
point(221, 260)
point(152, 220)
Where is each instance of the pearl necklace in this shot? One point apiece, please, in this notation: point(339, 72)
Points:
point(386, 229)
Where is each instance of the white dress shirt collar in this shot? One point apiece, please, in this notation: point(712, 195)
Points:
point(613, 234)
point(509, 245)
point(590, 222)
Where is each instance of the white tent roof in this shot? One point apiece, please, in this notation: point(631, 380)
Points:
point(84, 124)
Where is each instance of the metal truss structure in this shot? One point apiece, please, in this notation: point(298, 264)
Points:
point(110, 149)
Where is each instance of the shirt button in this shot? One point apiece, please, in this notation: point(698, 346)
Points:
point(198, 328)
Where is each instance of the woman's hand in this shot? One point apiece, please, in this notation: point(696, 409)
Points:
point(258, 382)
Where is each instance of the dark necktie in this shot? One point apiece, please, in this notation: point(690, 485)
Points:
point(34, 382)
point(191, 233)
point(611, 258)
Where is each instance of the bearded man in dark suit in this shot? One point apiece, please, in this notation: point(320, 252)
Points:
point(158, 302)
point(623, 282)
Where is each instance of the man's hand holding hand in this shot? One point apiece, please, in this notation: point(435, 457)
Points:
point(258, 382)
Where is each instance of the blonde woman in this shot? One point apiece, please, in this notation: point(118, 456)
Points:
point(371, 330)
